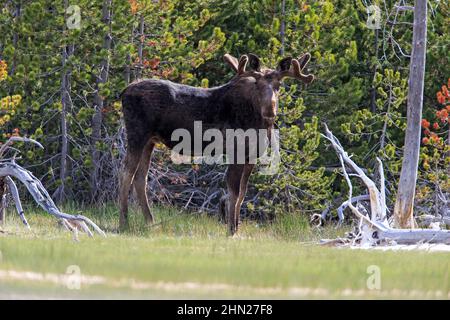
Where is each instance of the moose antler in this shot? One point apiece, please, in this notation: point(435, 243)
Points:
point(240, 66)
point(297, 66)
point(253, 62)
point(232, 61)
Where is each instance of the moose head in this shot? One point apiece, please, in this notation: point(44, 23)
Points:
point(261, 85)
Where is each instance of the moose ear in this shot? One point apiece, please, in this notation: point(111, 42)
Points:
point(232, 61)
point(285, 64)
point(254, 62)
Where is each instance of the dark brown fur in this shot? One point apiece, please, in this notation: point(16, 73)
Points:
point(153, 109)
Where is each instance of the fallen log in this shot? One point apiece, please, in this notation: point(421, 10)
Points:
point(414, 236)
point(375, 229)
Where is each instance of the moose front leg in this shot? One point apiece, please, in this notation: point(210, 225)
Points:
point(233, 180)
point(242, 191)
point(237, 179)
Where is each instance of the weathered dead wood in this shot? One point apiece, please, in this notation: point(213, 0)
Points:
point(15, 195)
point(2, 201)
point(377, 206)
point(404, 204)
point(41, 196)
point(344, 205)
point(376, 229)
point(8, 169)
point(414, 236)
point(7, 144)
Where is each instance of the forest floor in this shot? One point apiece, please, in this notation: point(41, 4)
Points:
point(190, 256)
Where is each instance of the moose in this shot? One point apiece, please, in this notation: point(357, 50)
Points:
point(153, 109)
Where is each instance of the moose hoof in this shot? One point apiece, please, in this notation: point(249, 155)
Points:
point(232, 228)
point(123, 225)
point(149, 221)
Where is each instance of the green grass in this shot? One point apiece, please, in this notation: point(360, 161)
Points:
point(190, 256)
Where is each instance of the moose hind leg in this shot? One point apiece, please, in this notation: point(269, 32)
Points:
point(223, 209)
point(126, 178)
point(140, 182)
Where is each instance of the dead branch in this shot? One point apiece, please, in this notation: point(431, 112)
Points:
point(344, 205)
point(15, 195)
point(375, 196)
point(7, 144)
point(41, 196)
point(8, 169)
point(376, 229)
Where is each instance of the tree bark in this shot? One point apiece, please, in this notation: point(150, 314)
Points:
point(67, 51)
point(97, 119)
point(15, 38)
point(140, 65)
point(2, 201)
point(373, 90)
point(283, 26)
point(403, 211)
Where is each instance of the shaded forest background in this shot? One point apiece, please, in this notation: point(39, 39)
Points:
point(61, 85)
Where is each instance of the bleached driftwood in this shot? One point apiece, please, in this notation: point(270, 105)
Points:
point(8, 169)
point(344, 205)
point(7, 144)
point(15, 195)
point(2, 201)
point(376, 228)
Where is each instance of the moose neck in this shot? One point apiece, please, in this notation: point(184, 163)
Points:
point(236, 107)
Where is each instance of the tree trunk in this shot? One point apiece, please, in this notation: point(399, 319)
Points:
point(373, 91)
point(67, 51)
point(403, 211)
point(15, 38)
point(127, 72)
point(283, 26)
point(2, 201)
point(99, 101)
point(140, 65)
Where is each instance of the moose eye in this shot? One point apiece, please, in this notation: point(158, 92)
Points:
point(276, 85)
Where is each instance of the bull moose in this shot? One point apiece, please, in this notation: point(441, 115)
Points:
point(153, 109)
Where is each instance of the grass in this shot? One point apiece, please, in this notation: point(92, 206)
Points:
point(189, 256)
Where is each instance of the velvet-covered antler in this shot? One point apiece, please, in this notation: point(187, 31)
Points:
point(290, 67)
point(249, 60)
point(232, 61)
point(242, 64)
